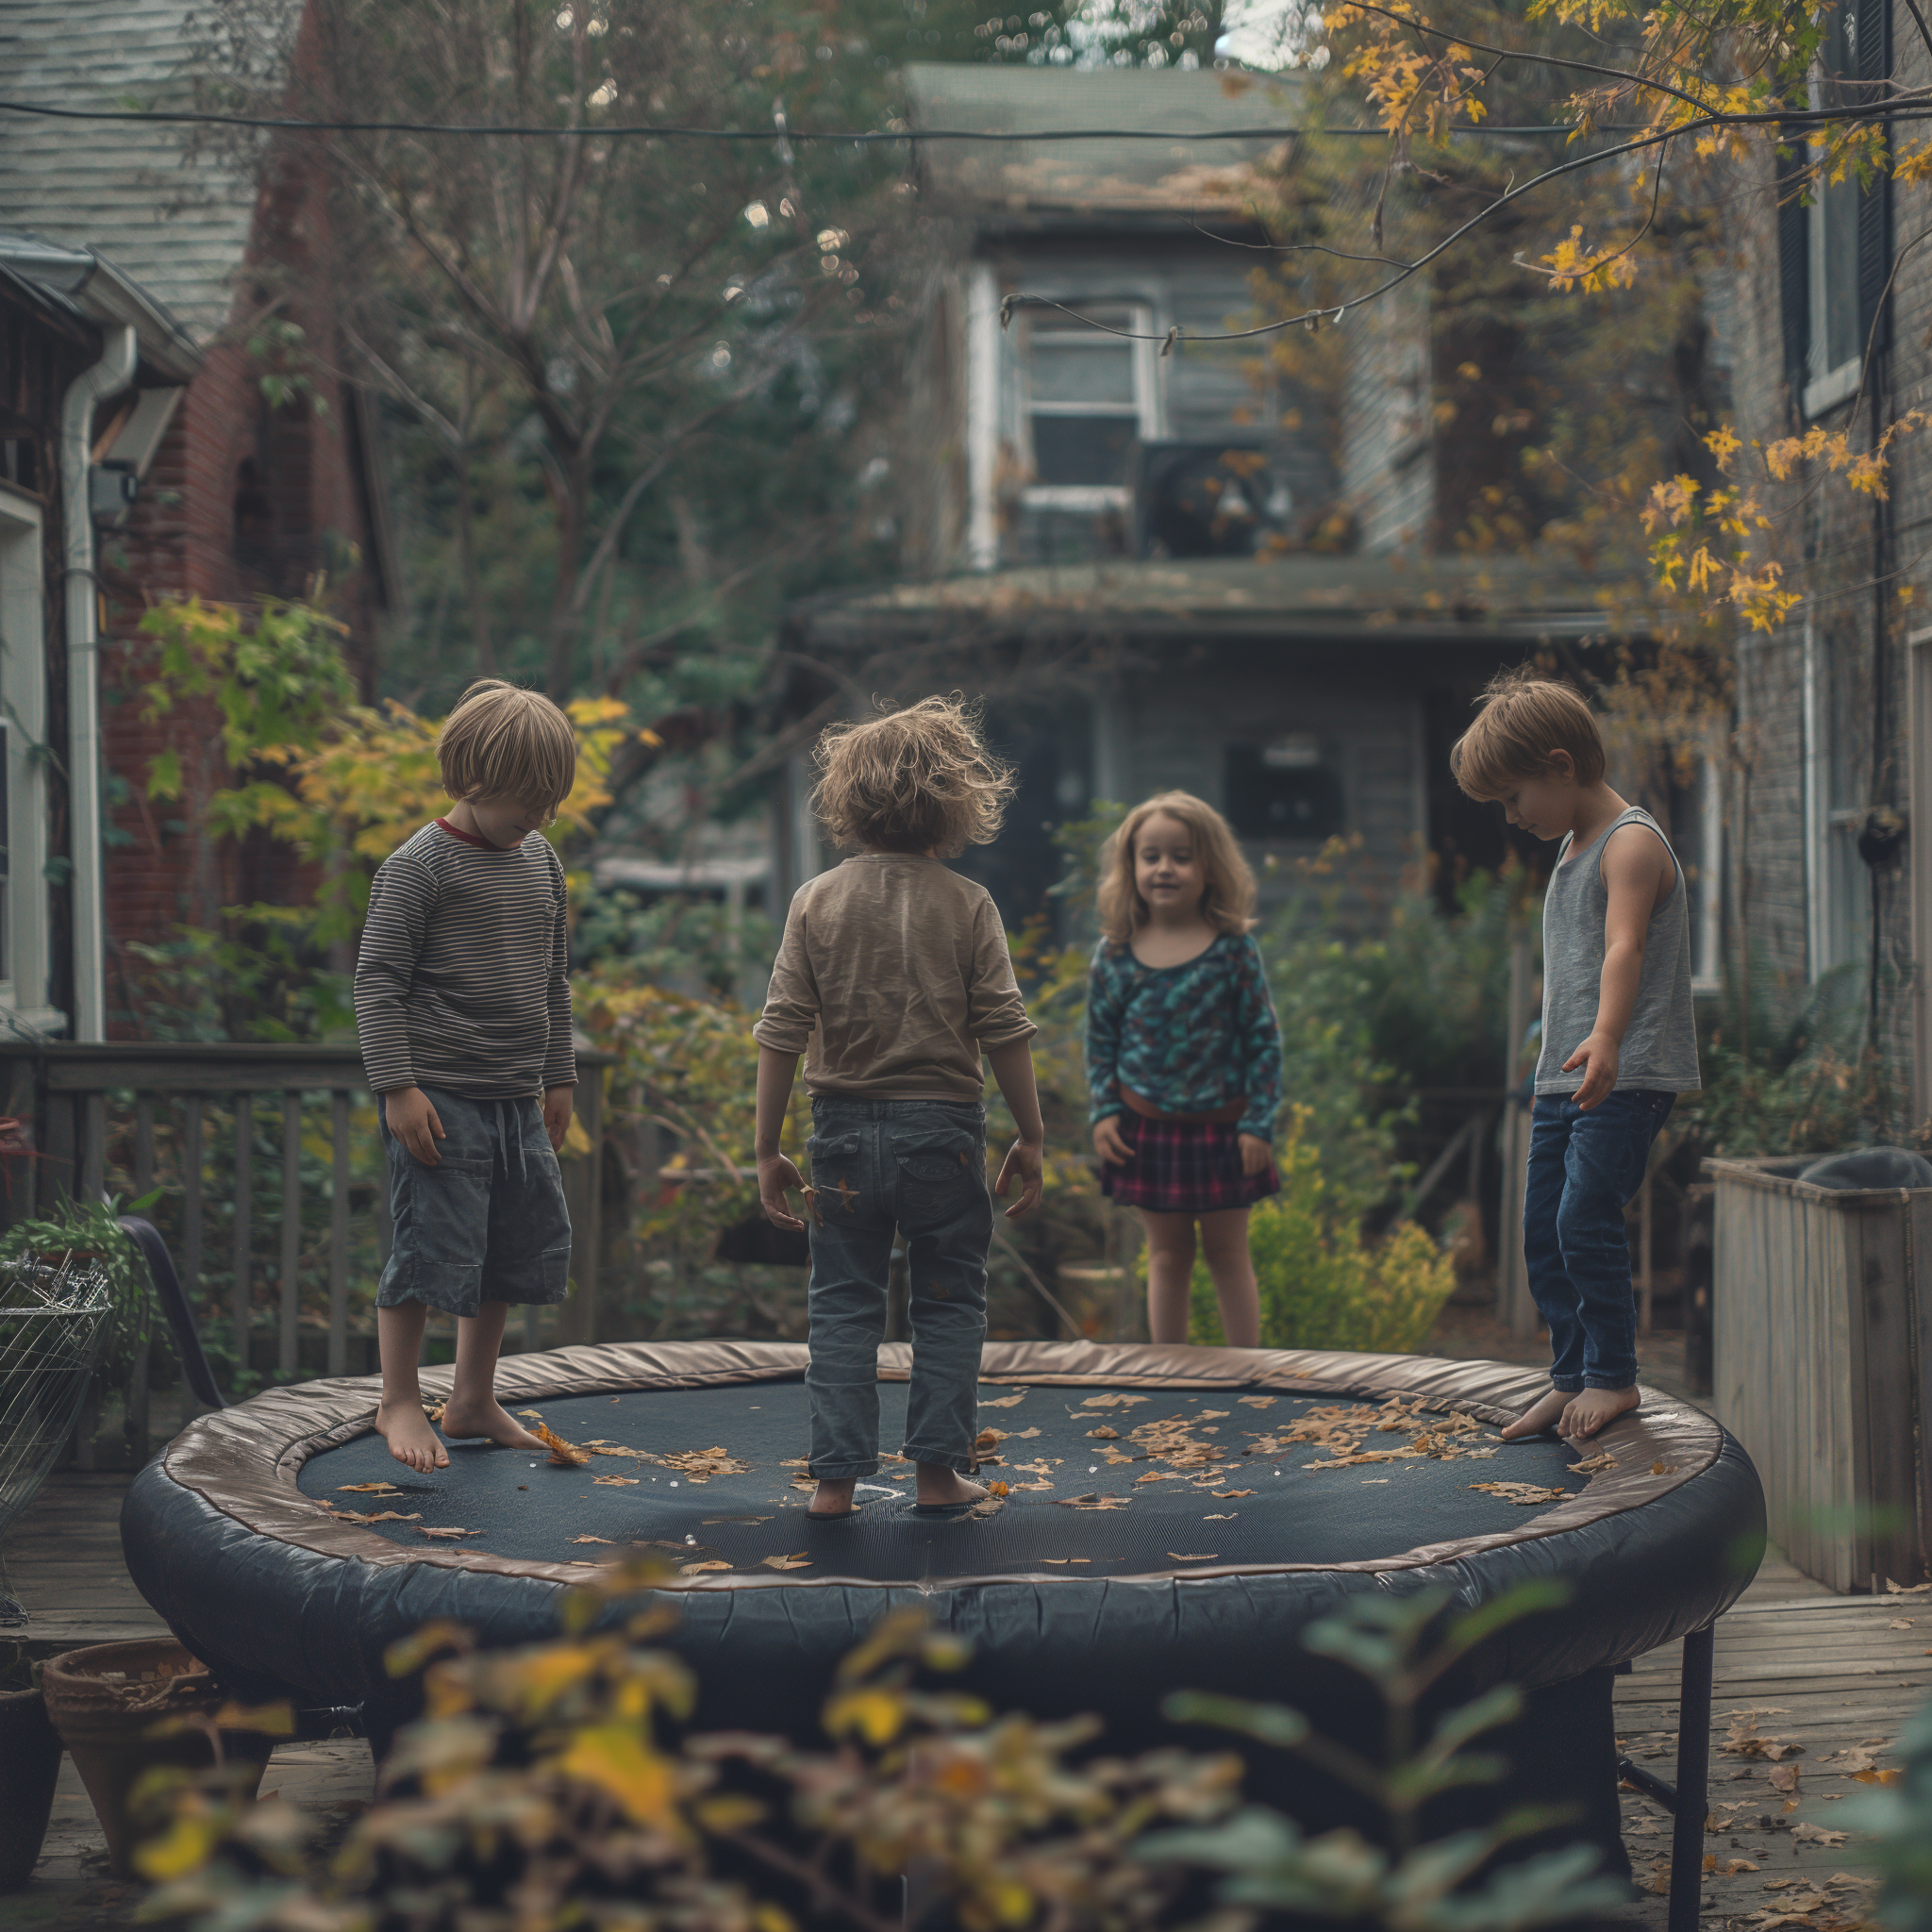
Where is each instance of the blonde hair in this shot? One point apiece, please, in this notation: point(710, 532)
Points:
point(1521, 719)
point(1227, 899)
point(502, 742)
point(917, 779)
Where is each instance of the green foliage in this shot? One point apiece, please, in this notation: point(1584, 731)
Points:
point(1322, 1286)
point(93, 1228)
point(671, 941)
point(1400, 1645)
point(548, 1782)
point(1789, 1078)
point(1901, 1819)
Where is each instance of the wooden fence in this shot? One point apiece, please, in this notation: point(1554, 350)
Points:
point(207, 1124)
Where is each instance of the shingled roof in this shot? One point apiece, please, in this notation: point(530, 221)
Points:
point(1202, 170)
point(178, 228)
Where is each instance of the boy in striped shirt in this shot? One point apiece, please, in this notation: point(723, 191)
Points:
point(462, 1007)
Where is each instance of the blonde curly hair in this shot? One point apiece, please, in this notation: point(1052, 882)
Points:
point(913, 779)
point(1227, 900)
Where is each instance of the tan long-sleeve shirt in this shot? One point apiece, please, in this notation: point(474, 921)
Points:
point(892, 979)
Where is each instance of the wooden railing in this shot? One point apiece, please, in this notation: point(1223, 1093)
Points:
point(196, 1120)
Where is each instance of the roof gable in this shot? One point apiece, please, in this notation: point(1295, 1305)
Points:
point(178, 228)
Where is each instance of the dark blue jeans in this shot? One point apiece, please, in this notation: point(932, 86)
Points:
point(920, 1166)
point(1584, 1168)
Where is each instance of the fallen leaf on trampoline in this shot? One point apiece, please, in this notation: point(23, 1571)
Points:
point(1213, 1415)
point(712, 1521)
point(1784, 1777)
point(1091, 1501)
point(1104, 1434)
point(803, 1482)
point(1663, 1469)
point(1257, 1401)
point(1878, 1777)
point(616, 1482)
point(1000, 1490)
point(1230, 1517)
point(695, 1465)
point(1231, 1495)
point(1174, 1556)
point(531, 1415)
point(433, 1410)
point(1808, 1833)
point(1005, 1401)
point(1022, 1435)
point(1035, 1485)
point(1161, 1475)
point(988, 1505)
point(381, 1516)
point(1595, 1465)
point(692, 1569)
point(593, 1539)
point(426, 1531)
point(367, 1489)
point(1527, 1495)
point(618, 1449)
point(1114, 1401)
point(801, 1561)
point(1055, 1559)
point(796, 1462)
point(562, 1455)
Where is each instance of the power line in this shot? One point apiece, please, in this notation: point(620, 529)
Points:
point(859, 138)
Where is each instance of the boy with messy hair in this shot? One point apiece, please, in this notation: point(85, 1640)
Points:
point(1619, 1043)
point(892, 978)
point(462, 1006)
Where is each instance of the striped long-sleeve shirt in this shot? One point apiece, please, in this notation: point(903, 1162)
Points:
point(464, 977)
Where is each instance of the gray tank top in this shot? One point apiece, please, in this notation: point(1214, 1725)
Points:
point(1659, 1051)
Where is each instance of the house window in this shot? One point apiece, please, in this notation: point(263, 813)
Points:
point(1285, 791)
point(1697, 826)
point(1839, 888)
point(1846, 239)
point(24, 957)
point(1086, 397)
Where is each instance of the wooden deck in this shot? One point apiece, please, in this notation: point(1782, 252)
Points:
point(1825, 1675)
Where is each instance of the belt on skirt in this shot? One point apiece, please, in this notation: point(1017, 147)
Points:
point(1220, 1116)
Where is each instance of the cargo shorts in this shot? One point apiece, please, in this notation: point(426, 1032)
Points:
point(489, 1222)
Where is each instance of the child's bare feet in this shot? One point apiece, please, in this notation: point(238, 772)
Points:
point(941, 1486)
point(412, 1440)
point(1596, 1408)
point(833, 1497)
point(1540, 1417)
point(489, 1419)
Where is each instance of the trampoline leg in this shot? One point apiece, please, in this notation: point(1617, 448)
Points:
point(1692, 1795)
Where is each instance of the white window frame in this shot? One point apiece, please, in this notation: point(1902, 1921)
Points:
point(1919, 858)
point(1830, 883)
point(1144, 410)
point(1824, 389)
point(1707, 937)
point(23, 718)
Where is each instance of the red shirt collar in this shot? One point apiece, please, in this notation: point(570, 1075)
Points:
point(471, 838)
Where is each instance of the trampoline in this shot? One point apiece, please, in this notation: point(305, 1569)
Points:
point(1175, 1515)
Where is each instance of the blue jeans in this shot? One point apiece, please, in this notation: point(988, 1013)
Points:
point(1583, 1170)
point(920, 1166)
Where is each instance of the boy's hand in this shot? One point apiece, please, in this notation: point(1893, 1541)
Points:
point(1109, 1143)
point(777, 1179)
point(1597, 1057)
point(558, 1102)
point(412, 1121)
point(1022, 1164)
point(1258, 1155)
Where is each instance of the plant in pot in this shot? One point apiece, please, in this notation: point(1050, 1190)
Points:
point(29, 1764)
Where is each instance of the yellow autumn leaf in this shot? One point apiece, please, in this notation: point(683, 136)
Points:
point(878, 1716)
point(184, 1847)
point(617, 1763)
point(577, 1143)
point(539, 1677)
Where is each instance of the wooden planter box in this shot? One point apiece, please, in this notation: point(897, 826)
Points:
point(1822, 1328)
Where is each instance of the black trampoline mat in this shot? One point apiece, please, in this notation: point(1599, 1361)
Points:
point(1070, 1511)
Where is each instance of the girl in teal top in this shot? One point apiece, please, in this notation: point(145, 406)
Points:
point(1184, 1054)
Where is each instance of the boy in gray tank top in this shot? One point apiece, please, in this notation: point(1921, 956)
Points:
point(1619, 1043)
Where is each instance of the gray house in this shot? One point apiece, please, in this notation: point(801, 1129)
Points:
point(1162, 565)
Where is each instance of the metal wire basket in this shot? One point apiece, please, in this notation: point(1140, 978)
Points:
point(56, 1315)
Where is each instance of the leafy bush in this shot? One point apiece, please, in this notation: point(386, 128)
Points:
point(544, 1786)
point(93, 1228)
point(1902, 1819)
point(1322, 1286)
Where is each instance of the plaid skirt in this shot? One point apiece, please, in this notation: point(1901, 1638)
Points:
point(1181, 1168)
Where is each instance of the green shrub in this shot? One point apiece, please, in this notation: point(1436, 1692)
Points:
point(1322, 1285)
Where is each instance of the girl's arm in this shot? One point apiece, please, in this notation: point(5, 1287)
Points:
point(1103, 1043)
point(1258, 1044)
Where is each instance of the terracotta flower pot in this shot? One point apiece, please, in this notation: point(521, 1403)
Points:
point(29, 1764)
point(108, 1703)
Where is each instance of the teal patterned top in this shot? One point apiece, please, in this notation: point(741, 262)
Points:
point(1187, 1039)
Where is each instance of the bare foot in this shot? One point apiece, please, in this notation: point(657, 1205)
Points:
point(1596, 1408)
point(833, 1497)
point(939, 1485)
point(1540, 1417)
point(489, 1418)
point(412, 1440)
